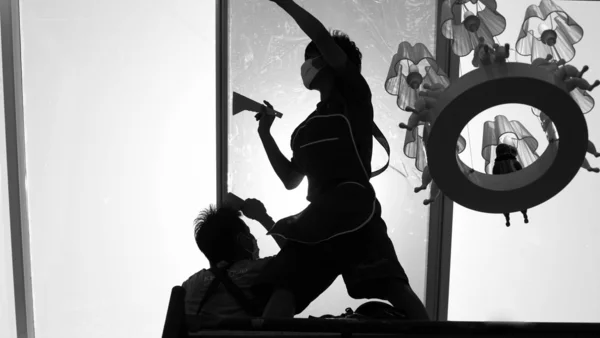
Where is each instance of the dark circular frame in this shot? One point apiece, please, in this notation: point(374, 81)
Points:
point(491, 86)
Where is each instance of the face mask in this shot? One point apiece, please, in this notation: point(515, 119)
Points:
point(309, 72)
point(249, 243)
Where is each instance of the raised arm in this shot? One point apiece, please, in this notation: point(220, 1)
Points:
point(316, 31)
point(283, 167)
point(254, 209)
point(267, 222)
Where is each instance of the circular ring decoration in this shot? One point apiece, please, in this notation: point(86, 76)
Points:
point(491, 86)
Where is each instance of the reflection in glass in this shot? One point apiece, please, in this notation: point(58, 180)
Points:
point(266, 52)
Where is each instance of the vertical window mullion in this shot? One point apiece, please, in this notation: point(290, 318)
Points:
point(222, 80)
point(15, 163)
point(440, 212)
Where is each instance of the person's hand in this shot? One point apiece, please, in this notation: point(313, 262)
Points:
point(254, 209)
point(265, 118)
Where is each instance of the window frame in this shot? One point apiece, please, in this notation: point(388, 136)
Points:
point(440, 222)
point(439, 252)
point(222, 95)
point(15, 164)
point(440, 212)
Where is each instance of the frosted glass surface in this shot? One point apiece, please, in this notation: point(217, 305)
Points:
point(120, 129)
point(546, 270)
point(267, 50)
point(8, 326)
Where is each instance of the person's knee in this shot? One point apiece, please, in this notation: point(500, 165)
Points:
point(397, 285)
point(284, 294)
point(282, 304)
point(398, 291)
point(402, 297)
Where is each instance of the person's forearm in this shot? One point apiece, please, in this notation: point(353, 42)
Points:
point(307, 22)
point(279, 240)
point(281, 165)
point(268, 223)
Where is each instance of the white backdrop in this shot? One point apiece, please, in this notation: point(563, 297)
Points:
point(119, 105)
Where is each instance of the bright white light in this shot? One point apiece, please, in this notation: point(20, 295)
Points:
point(543, 27)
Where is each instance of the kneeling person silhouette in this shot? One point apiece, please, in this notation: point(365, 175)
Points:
point(341, 232)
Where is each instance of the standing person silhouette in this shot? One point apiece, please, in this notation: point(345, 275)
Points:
point(506, 162)
point(341, 232)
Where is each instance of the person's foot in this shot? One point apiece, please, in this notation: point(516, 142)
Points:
point(526, 220)
point(427, 202)
point(417, 189)
point(593, 85)
point(597, 155)
point(507, 224)
point(594, 170)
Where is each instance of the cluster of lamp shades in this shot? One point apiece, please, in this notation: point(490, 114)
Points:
point(440, 109)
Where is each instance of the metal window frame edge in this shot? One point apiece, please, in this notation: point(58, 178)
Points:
point(222, 81)
point(16, 166)
point(441, 211)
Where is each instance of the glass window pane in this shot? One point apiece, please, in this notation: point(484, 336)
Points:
point(119, 102)
point(267, 50)
point(544, 271)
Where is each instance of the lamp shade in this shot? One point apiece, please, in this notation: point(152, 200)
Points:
point(548, 127)
point(414, 146)
point(407, 60)
point(491, 24)
point(548, 16)
point(513, 133)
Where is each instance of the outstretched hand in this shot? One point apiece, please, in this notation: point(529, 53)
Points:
point(254, 209)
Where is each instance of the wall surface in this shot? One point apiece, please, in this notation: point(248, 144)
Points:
point(119, 103)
